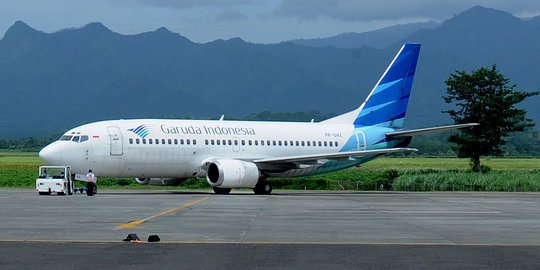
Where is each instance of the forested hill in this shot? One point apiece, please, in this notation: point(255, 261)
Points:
point(50, 82)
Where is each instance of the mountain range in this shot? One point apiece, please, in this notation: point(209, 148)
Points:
point(379, 38)
point(50, 82)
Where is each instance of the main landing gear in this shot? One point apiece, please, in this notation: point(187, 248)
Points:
point(222, 191)
point(263, 188)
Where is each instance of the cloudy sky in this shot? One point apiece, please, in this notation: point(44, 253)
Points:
point(259, 21)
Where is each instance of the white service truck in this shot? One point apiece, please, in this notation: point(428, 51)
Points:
point(55, 179)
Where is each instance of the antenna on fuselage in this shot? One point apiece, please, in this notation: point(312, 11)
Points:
point(221, 118)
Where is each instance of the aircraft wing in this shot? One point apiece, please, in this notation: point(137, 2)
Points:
point(413, 132)
point(331, 156)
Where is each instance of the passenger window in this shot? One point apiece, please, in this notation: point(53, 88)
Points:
point(279, 143)
point(320, 144)
point(206, 142)
point(262, 142)
point(212, 142)
point(303, 144)
point(144, 141)
point(249, 142)
point(243, 142)
point(224, 142)
point(292, 143)
point(175, 141)
point(218, 142)
point(330, 144)
point(256, 142)
point(297, 143)
point(130, 141)
point(150, 141)
point(137, 141)
point(162, 141)
point(182, 141)
point(268, 142)
point(230, 142)
point(235, 142)
point(188, 141)
point(170, 141)
point(314, 143)
point(285, 143)
point(194, 141)
point(308, 143)
point(325, 144)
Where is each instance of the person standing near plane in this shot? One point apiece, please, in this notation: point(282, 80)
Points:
point(90, 183)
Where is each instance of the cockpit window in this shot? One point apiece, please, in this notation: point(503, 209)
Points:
point(75, 138)
point(66, 138)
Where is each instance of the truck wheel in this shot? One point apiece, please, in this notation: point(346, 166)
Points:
point(60, 193)
point(44, 193)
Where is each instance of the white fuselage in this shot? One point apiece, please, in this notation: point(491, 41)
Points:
point(176, 148)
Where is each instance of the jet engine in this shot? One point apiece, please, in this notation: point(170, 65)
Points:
point(142, 181)
point(232, 173)
point(159, 181)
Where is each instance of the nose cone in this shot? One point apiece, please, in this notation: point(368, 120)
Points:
point(50, 155)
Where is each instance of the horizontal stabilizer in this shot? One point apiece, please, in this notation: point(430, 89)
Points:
point(333, 156)
point(413, 132)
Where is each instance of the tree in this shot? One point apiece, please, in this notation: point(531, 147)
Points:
point(484, 97)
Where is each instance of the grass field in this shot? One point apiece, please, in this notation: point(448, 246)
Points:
point(19, 169)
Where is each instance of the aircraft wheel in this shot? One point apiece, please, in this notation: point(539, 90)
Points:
point(223, 191)
point(263, 188)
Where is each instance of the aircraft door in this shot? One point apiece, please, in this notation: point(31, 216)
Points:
point(115, 138)
point(360, 140)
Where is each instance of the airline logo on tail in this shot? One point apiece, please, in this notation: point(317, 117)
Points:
point(386, 105)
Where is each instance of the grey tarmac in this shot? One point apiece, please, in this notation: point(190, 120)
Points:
point(288, 229)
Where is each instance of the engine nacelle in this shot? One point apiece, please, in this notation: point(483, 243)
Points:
point(142, 181)
point(160, 181)
point(232, 173)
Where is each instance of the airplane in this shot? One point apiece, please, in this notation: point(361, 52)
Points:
point(243, 154)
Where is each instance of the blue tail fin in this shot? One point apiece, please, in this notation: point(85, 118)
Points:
point(386, 105)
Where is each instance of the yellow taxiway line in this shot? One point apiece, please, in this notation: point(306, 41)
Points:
point(138, 222)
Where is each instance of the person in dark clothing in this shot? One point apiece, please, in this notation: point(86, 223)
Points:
point(90, 183)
